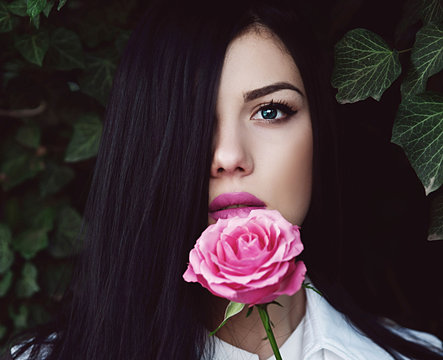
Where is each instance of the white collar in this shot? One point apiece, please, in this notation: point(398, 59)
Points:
point(324, 329)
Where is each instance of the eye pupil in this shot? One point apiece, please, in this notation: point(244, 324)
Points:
point(269, 113)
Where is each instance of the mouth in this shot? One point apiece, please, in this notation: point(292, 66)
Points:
point(234, 204)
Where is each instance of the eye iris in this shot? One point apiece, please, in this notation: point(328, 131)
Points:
point(269, 113)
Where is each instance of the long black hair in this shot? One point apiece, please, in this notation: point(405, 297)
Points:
point(148, 201)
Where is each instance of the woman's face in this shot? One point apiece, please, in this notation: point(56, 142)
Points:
point(263, 140)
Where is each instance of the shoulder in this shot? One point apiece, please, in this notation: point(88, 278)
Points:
point(332, 331)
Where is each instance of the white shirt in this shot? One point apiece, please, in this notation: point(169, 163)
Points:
point(323, 334)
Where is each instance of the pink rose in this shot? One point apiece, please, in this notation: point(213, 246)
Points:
point(249, 260)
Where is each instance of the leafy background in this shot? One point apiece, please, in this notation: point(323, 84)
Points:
point(57, 60)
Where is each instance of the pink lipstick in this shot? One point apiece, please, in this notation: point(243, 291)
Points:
point(234, 204)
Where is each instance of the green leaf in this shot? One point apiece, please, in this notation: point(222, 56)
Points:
point(18, 7)
point(29, 242)
point(96, 30)
point(6, 21)
point(66, 240)
point(19, 168)
point(20, 318)
point(35, 7)
point(35, 20)
point(33, 47)
point(44, 219)
point(364, 66)
point(232, 309)
point(85, 139)
point(418, 129)
point(54, 178)
point(65, 52)
point(28, 135)
point(436, 226)
point(431, 11)
point(5, 282)
point(96, 80)
point(55, 279)
point(3, 331)
point(26, 285)
point(426, 58)
point(61, 3)
point(48, 8)
point(6, 254)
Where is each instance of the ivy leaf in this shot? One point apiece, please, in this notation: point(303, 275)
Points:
point(65, 242)
point(33, 47)
point(426, 58)
point(48, 8)
point(43, 219)
point(19, 168)
point(36, 21)
point(436, 226)
point(65, 52)
point(232, 309)
point(364, 66)
point(20, 318)
point(6, 254)
point(418, 129)
point(26, 285)
point(29, 136)
point(29, 242)
point(55, 178)
point(85, 139)
point(6, 20)
point(18, 7)
point(431, 11)
point(5, 283)
point(35, 7)
point(61, 3)
point(97, 77)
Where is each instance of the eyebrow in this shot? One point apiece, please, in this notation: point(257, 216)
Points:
point(265, 90)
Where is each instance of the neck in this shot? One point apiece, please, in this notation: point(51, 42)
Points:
point(249, 334)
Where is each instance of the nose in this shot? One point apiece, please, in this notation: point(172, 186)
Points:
point(232, 155)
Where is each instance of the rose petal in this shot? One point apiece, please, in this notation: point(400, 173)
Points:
point(293, 282)
point(189, 274)
point(255, 296)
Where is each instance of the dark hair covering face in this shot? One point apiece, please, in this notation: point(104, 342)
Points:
point(149, 196)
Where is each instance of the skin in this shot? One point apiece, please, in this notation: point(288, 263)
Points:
point(272, 161)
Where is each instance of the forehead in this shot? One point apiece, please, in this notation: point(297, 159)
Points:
point(257, 58)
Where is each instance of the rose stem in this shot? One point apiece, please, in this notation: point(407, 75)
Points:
point(266, 323)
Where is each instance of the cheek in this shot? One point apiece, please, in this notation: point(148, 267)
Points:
point(290, 174)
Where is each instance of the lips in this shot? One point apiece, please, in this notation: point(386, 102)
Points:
point(239, 203)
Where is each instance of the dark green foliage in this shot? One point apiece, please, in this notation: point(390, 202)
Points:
point(365, 66)
point(57, 64)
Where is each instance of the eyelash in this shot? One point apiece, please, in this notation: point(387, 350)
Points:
point(280, 106)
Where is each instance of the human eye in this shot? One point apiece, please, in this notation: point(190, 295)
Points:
point(274, 112)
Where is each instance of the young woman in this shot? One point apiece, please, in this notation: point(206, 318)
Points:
point(208, 100)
